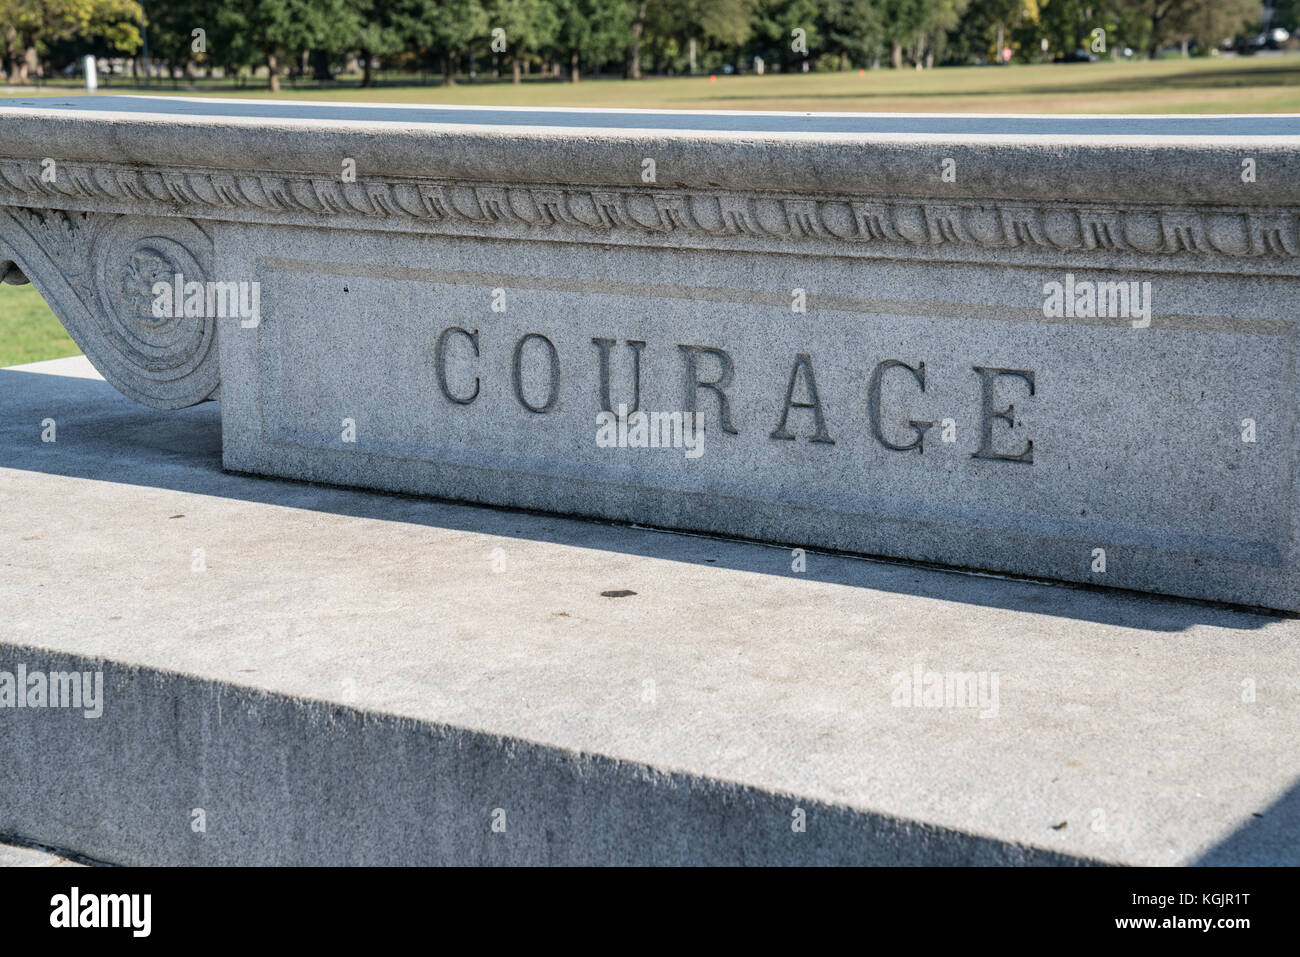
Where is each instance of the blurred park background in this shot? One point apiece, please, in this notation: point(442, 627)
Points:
point(988, 56)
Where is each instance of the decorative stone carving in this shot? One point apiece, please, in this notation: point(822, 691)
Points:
point(1074, 227)
point(98, 271)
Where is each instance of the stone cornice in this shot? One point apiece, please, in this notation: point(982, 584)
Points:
point(598, 213)
point(1163, 193)
point(1092, 160)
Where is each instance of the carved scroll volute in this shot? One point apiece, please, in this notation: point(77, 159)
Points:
point(98, 273)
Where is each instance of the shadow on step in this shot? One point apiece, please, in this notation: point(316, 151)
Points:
point(104, 436)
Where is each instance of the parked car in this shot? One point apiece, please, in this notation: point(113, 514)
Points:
point(1270, 39)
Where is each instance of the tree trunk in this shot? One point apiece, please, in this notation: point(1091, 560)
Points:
point(634, 45)
point(1156, 19)
point(448, 74)
point(31, 67)
point(514, 64)
point(844, 61)
point(896, 55)
point(573, 67)
point(691, 54)
point(1002, 40)
point(11, 48)
point(272, 73)
point(367, 71)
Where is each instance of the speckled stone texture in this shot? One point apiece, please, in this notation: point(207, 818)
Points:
point(351, 678)
point(859, 307)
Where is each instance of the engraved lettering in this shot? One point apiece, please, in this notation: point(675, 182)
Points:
point(919, 428)
point(716, 386)
point(803, 361)
point(604, 345)
point(440, 363)
point(988, 377)
point(553, 395)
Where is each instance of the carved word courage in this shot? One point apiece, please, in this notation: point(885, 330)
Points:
point(716, 387)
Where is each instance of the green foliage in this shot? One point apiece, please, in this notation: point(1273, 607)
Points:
point(443, 27)
point(855, 28)
point(530, 26)
point(593, 31)
point(35, 25)
point(774, 23)
point(614, 35)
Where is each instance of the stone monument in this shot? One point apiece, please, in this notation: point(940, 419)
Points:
point(1053, 347)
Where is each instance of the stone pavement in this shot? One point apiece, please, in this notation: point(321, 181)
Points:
point(14, 855)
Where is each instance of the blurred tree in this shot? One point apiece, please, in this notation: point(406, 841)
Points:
point(688, 25)
point(30, 26)
point(639, 10)
point(987, 26)
point(284, 28)
point(594, 31)
point(900, 20)
point(855, 30)
point(446, 28)
point(1286, 14)
point(530, 26)
point(377, 34)
point(170, 27)
point(1208, 24)
point(774, 26)
point(937, 17)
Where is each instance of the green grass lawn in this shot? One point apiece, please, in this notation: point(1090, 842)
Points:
point(1264, 84)
point(1259, 84)
point(28, 330)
